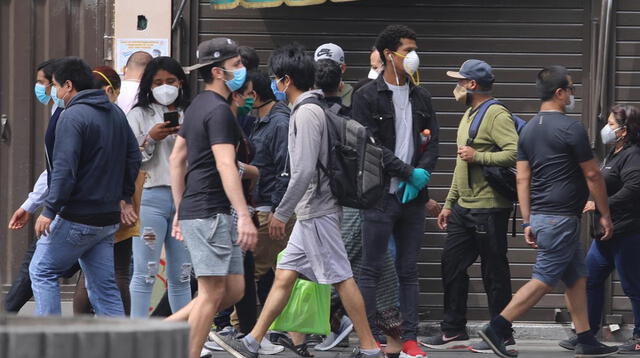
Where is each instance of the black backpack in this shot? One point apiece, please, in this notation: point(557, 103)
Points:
point(354, 166)
point(501, 179)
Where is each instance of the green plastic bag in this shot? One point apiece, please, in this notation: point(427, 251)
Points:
point(307, 310)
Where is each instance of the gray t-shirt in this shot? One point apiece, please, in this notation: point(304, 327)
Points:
point(404, 128)
point(555, 144)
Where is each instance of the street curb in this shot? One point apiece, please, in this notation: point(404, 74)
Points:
point(532, 331)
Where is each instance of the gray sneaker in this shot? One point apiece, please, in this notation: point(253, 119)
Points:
point(228, 331)
point(483, 347)
point(234, 346)
point(332, 340)
point(358, 354)
point(569, 344)
point(631, 346)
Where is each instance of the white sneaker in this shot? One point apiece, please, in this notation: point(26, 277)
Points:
point(205, 353)
point(332, 340)
point(213, 346)
point(268, 348)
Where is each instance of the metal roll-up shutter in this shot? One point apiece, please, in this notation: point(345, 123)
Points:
point(627, 90)
point(517, 38)
point(31, 32)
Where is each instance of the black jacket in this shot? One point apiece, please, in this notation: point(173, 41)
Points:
point(270, 139)
point(96, 158)
point(372, 106)
point(621, 173)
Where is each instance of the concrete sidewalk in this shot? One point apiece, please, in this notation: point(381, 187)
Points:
point(526, 349)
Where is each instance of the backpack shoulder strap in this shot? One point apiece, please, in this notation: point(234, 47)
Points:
point(317, 101)
point(312, 99)
point(477, 120)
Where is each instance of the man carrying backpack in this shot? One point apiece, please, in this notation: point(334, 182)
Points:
point(397, 111)
point(475, 215)
point(315, 248)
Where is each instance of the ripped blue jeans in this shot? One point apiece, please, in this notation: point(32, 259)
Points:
point(156, 216)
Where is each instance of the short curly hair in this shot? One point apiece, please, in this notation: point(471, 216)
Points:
point(390, 38)
point(328, 76)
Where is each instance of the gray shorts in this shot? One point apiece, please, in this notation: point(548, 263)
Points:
point(560, 256)
point(316, 250)
point(212, 245)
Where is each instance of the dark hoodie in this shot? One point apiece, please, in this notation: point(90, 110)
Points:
point(270, 140)
point(95, 161)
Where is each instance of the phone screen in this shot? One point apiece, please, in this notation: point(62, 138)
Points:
point(172, 117)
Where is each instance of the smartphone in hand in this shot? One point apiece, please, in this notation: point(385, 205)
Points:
point(173, 118)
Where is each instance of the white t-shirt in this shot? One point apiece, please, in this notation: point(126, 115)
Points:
point(404, 128)
point(128, 95)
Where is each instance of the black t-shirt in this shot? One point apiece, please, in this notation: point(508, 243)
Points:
point(207, 121)
point(554, 145)
point(621, 173)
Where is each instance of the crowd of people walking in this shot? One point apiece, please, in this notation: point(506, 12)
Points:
point(239, 192)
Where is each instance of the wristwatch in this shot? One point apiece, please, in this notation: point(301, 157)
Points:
point(525, 225)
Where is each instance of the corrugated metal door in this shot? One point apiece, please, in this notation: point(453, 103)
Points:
point(31, 32)
point(626, 79)
point(517, 37)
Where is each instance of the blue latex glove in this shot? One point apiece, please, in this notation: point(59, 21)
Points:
point(410, 191)
point(419, 178)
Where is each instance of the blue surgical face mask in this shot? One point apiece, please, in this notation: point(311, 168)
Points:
point(280, 96)
point(239, 76)
point(41, 93)
point(54, 96)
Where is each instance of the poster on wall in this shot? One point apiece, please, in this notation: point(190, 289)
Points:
point(125, 47)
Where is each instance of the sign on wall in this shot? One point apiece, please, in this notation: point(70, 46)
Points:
point(126, 47)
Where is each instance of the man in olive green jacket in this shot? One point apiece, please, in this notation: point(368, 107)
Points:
point(475, 215)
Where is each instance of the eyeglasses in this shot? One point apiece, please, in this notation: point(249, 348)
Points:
point(275, 78)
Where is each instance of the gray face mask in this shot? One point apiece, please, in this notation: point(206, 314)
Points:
point(608, 135)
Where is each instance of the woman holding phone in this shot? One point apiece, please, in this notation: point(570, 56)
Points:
point(156, 117)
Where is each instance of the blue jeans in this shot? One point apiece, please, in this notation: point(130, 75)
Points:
point(405, 222)
point(66, 243)
point(620, 253)
point(157, 211)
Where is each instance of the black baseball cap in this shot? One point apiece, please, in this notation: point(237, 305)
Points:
point(214, 50)
point(476, 70)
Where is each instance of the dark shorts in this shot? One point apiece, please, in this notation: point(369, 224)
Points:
point(560, 255)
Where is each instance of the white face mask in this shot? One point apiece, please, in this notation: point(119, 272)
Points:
point(608, 134)
point(165, 94)
point(373, 74)
point(411, 63)
point(572, 104)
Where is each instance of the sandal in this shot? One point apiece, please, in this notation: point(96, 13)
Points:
point(302, 349)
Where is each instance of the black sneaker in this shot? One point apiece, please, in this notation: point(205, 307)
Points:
point(444, 341)
point(569, 344)
point(495, 342)
point(234, 346)
point(632, 346)
point(600, 350)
